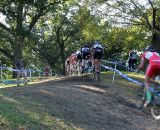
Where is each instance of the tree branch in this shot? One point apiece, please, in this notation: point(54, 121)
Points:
point(151, 3)
point(6, 53)
point(6, 28)
point(42, 11)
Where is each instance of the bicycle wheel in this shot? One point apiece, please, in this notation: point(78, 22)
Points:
point(155, 111)
point(97, 76)
point(155, 108)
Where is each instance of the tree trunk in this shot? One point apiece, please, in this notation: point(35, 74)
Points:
point(156, 41)
point(17, 53)
point(155, 34)
point(62, 58)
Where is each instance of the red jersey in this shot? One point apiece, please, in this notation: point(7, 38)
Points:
point(153, 68)
point(152, 57)
point(73, 58)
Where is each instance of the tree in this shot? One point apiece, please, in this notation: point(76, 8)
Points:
point(21, 17)
point(64, 31)
point(137, 13)
point(55, 35)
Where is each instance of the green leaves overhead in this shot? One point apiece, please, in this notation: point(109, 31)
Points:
point(55, 28)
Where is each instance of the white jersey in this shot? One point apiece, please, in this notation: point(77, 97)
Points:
point(85, 49)
point(78, 52)
point(97, 46)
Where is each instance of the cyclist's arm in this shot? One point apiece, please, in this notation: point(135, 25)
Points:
point(141, 65)
point(103, 50)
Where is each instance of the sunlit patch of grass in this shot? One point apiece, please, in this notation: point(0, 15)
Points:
point(22, 117)
point(107, 77)
point(24, 113)
point(55, 123)
point(34, 80)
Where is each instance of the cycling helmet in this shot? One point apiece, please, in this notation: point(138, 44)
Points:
point(97, 42)
point(85, 45)
point(149, 48)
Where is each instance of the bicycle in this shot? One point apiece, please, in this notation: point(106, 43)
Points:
point(85, 70)
point(154, 106)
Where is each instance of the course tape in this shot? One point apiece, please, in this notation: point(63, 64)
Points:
point(123, 75)
point(12, 81)
point(26, 70)
point(116, 63)
point(130, 79)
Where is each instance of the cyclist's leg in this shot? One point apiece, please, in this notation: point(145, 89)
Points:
point(83, 62)
point(96, 65)
point(71, 69)
point(99, 57)
point(93, 64)
point(155, 111)
point(86, 66)
point(150, 74)
point(97, 70)
point(78, 66)
point(147, 91)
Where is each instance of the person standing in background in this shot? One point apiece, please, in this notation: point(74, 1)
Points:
point(132, 60)
point(21, 71)
point(47, 70)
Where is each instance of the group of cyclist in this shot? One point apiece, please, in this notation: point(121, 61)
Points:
point(93, 54)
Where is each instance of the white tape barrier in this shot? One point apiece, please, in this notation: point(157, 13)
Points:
point(130, 79)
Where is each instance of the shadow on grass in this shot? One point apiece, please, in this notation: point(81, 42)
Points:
point(65, 103)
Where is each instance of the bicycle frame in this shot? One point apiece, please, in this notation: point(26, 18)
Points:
point(86, 67)
point(155, 104)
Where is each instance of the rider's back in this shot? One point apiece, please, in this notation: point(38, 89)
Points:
point(97, 50)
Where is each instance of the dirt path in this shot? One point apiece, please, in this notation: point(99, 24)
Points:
point(88, 105)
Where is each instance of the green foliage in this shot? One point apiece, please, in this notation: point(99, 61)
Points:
point(49, 31)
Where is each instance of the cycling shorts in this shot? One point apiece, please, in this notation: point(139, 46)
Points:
point(97, 55)
point(153, 70)
point(85, 56)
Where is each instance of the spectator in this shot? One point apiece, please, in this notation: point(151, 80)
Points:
point(21, 71)
point(132, 60)
point(47, 70)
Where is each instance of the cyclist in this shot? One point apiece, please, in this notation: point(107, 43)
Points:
point(132, 60)
point(85, 51)
point(153, 69)
point(97, 53)
point(21, 67)
point(78, 55)
point(72, 61)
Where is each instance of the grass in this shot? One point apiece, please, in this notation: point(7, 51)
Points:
point(120, 81)
point(22, 113)
point(15, 115)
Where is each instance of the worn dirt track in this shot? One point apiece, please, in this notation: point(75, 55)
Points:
point(89, 105)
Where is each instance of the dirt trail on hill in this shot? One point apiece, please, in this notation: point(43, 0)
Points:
point(89, 105)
